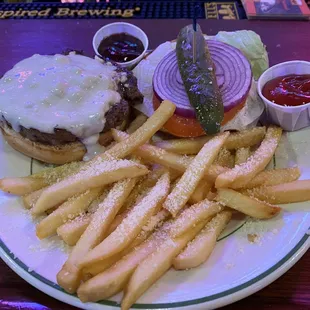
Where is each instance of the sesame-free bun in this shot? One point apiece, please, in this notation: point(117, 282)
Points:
point(60, 154)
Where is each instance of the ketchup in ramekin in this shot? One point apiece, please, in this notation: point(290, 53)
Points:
point(288, 90)
point(287, 102)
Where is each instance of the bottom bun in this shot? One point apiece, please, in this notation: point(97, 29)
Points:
point(58, 155)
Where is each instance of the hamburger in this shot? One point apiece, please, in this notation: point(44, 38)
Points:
point(59, 108)
point(215, 93)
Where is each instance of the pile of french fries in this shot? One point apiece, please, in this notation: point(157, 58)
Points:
point(140, 208)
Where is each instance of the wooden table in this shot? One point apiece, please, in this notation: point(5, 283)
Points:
point(284, 41)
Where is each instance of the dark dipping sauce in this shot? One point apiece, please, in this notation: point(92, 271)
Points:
point(289, 90)
point(120, 47)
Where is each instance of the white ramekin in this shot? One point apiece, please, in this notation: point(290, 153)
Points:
point(289, 118)
point(113, 28)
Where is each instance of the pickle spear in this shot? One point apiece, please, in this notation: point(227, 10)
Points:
point(199, 79)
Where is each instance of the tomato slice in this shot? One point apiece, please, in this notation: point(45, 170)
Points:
point(189, 127)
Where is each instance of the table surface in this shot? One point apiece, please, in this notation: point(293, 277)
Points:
point(284, 41)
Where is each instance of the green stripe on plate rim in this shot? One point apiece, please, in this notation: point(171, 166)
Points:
point(166, 305)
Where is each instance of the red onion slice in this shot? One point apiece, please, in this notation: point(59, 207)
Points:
point(233, 72)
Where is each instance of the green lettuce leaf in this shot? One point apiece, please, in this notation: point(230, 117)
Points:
point(250, 45)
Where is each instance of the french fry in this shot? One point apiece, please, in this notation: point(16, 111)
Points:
point(296, 191)
point(136, 123)
point(49, 211)
point(113, 280)
point(96, 202)
point(26, 185)
point(184, 146)
point(70, 209)
point(117, 220)
point(242, 155)
point(154, 154)
point(171, 161)
point(69, 276)
point(145, 183)
point(70, 232)
point(247, 205)
point(174, 174)
point(155, 265)
point(177, 199)
point(236, 140)
point(30, 200)
point(147, 230)
point(274, 177)
point(199, 250)
point(22, 186)
point(103, 173)
point(245, 138)
point(192, 216)
point(143, 133)
point(174, 184)
point(200, 192)
point(130, 227)
point(225, 158)
point(213, 172)
point(240, 175)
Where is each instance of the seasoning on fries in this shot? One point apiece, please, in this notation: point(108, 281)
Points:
point(120, 232)
point(247, 205)
point(154, 222)
point(172, 161)
point(130, 227)
point(242, 155)
point(241, 174)
point(177, 199)
point(274, 177)
point(27, 185)
point(155, 265)
point(225, 158)
point(199, 250)
point(71, 231)
point(296, 191)
point(31, 199)
point(70, 209)
point(102, 173)
point(114, 279)
point(94, 233)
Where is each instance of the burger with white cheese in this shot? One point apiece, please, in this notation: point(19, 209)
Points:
point(57, 108)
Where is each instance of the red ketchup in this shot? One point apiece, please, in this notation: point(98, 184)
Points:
point(288, 90)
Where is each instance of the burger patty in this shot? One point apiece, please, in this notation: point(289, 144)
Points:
point(115, 116)
point(129, 89)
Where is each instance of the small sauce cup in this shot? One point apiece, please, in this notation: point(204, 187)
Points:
point(121, 27)
point(290, 118)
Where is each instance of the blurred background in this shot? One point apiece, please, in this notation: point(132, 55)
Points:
point(209, 9)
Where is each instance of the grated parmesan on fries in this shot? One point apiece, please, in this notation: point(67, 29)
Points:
point(130, 220)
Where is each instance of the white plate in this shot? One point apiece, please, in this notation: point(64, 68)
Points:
point(236, 269)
